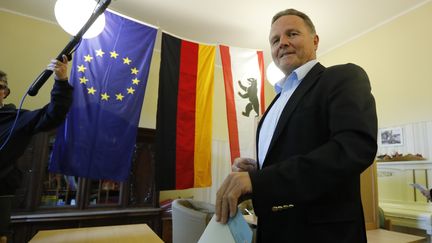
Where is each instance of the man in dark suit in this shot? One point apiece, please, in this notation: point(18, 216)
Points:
point(313, 142)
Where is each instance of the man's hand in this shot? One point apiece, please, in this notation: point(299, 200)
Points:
point(244, 164)
point(59, 68)
point(234, 186)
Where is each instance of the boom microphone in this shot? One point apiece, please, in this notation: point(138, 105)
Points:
point(69, 48)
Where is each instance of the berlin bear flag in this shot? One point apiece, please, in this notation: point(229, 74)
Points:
point(243, 71)
point(109, 75)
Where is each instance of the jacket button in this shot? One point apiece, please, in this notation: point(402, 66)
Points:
point(280, 208)
point(288, 206)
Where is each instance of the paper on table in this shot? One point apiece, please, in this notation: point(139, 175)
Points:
point(423, 190)
point(236, 230)
point(419, 187)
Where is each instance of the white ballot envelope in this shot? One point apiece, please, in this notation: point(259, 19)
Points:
point(236, 230)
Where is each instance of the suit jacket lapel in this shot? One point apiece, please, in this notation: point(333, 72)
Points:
point(307, 82)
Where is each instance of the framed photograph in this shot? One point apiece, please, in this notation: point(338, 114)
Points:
point(390, 136)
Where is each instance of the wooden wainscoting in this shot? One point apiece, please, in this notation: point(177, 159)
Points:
point(369, 193)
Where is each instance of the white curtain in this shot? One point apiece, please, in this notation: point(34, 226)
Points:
point(221, 167)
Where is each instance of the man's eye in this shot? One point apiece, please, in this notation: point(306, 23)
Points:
point(292, 34)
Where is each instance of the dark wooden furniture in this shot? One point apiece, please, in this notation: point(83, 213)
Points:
point(167, 227)
point(54, 201)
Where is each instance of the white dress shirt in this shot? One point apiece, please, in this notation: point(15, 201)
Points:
point(286, 88)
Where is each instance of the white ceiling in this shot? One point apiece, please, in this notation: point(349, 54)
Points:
point(244, 23)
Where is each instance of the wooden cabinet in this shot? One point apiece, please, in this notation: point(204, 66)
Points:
point(54, 201)
point(167, 227)
point(369, 194)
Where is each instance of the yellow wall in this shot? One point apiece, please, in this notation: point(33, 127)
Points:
point(26, 46)
point(397, 57)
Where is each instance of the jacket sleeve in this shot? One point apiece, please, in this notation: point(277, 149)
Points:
point(52, 114)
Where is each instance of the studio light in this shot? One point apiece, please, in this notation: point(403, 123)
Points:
point(273, 73)
point(73, 14)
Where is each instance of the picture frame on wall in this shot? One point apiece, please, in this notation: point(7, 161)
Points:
point(390, 136)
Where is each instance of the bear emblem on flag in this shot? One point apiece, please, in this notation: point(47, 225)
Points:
point(251, 94)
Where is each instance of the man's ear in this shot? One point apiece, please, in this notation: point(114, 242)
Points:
point(7, 92)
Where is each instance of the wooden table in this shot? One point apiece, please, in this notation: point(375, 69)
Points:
point(373, 236)
point(132, 233)
point(386, 236)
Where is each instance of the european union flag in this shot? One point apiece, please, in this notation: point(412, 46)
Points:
point(109, 75)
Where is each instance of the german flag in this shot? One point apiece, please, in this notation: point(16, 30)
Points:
point(184, 115)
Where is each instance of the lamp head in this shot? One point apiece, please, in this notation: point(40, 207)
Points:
point(73, 14)
point(274, 74)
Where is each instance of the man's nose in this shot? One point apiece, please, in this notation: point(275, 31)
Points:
point(284, 41)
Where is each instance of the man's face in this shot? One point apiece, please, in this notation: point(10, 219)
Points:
point(292, 43)
point(3, 90)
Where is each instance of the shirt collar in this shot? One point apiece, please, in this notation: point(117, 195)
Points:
point(298, 74)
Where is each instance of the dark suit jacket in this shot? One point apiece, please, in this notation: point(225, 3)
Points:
point(308, 189)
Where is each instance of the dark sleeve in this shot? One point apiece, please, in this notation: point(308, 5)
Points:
point(54, 113)
point(10, 181)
